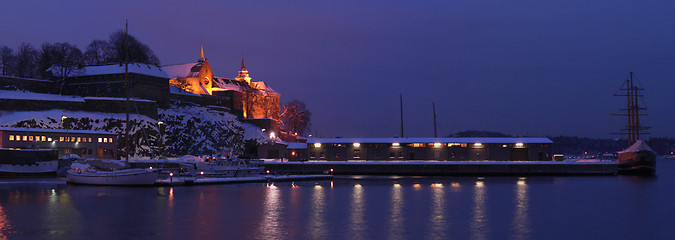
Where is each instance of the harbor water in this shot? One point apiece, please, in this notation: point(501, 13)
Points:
point(351, 207)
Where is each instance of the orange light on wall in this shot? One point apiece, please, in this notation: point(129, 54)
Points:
point(357, 144)
point(519, 144)
point(478, 145)
point(395, 144)
point(437, 144)
point(317, 145)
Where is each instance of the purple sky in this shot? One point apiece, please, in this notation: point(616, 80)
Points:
point(521, 67)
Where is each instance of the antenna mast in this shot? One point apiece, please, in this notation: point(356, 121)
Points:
point(433, 104)
point(126, 89)
point(401, 98)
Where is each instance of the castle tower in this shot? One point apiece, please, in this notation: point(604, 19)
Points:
point(243, 73)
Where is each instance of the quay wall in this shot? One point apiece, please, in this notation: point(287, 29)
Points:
point(444, 168)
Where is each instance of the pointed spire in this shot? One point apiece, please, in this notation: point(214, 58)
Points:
point(201, 52)
point(243, 66)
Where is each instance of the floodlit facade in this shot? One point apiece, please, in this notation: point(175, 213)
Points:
point(84, 143)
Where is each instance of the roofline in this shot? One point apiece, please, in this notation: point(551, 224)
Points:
point(58, 130)
point(431, 140)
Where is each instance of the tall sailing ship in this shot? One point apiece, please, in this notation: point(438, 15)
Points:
point(638, 158)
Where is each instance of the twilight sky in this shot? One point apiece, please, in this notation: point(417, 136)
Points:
point(537, 68)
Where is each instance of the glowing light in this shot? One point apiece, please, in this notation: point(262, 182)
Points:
point(437, 144)
point(417, 185)
point(171, 174)
point(318, 186)
point(272, 135)
point(357, 185)
point(478, 145)
point(437, 185)
point(268, 171)
point(150, 167)
point(521, 182)
point(357, 144)
point(455, 184)
point(519, 144)
point(293, 153)
point(202, 173)
point(396, 185)
point(396, 144)
point(317, 145)
point(263, 129)
point(479, 183)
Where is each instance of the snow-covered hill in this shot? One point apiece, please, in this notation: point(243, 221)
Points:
point(185, 130)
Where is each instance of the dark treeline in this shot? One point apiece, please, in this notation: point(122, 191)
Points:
point(581, 145)
point(27, 61)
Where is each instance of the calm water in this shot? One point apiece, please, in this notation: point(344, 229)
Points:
point(606, 207)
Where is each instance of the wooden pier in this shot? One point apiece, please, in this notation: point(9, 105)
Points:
point(179, 180)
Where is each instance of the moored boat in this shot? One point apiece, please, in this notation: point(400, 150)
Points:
point(109, 172)
point(28, 162)
point(638, 159)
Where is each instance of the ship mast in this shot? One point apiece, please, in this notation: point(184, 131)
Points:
point(633, 110)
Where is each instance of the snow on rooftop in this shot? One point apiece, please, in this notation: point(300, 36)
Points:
point(638, 146)
point(24, 95)
point(263, 86)
point(185, 70)
point(7, 94)
point(296, 145)
point(429, 140)
point(140, 68)
point(46, 130)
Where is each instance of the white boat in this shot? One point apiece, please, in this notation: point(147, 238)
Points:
point(109, 172)
point(28, 162)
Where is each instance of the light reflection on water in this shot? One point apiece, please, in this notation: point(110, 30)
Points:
point(365, 208)
point(317, 222)
point(521, 221)
point(479, 219)
point(357, 222)
point(396, 220)
point(4, 224)
point(271, 226)
point(437, 221)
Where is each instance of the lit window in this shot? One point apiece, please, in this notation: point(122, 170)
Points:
point(519, 144)
point(100, 139)
point(89, 140)
point(478, 145)
point(30, 138)
point(357, 144)
point(105, 140)
point(25, 138)
point(11, 137)
point(49, 139)
point(79, 139)
point(60, 139)
point(110, 140)
point(44, 138)
point(317, 145)
point(419, 145)
point(395, 144)
point(437, 144)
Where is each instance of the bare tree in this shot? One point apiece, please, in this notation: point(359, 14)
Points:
point(7, 60)
point(137, 51)
point(97, 52)
point(295, 117)
point(61, 59)
point(26, 61)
